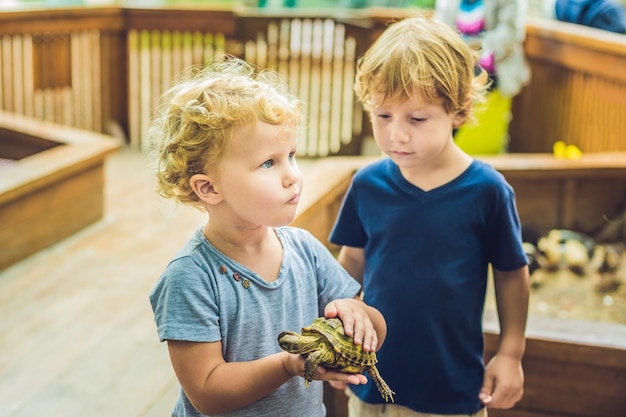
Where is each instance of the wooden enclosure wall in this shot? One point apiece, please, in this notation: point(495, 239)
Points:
point(568, 378)
point(155, 58)
point(102, 69)
point(68, 74)
point(317, 60)
point(55, 188)
point(160, 46)
point(55, 66)
point(583, 195)
point(313, 55)
point(577, 91)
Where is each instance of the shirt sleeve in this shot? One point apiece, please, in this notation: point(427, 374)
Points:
point(184, 303)
point(348, 229)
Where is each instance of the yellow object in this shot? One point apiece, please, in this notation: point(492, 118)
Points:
point(558, 149)
point(561, 150)
point(490, 133)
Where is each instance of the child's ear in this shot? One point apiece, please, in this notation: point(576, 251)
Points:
point(459, 119)
point(461, 115)
point(205, 189)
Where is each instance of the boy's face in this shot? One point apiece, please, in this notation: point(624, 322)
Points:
point(258, 178)
point(411, 131)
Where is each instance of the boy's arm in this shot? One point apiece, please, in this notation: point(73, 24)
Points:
point(503, 384)
point(215, 386)
point(353, 261)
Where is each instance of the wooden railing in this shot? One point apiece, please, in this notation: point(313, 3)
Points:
point(102, 69)
point(55, 65)
point(317, 59)
point(154, 59)
point(313, 55)
point(577, 92)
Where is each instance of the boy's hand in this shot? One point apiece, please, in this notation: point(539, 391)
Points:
point(294, 365)
point(356, 321)
point(338, 385)
point(503, 384)
point(340, 378)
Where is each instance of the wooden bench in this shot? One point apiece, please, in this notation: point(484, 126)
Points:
point(573, 368)
point(51, 183)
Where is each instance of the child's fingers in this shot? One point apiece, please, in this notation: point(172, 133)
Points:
point(356, 322)
point(338, 385)
point(327, 374)
point(365, 334)
point(370, 340)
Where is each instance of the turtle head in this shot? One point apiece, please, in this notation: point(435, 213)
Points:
point(296, 343)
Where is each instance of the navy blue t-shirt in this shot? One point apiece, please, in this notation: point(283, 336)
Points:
point(427, 257)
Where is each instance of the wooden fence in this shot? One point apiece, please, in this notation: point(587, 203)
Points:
point(155, 58)
point(29, 87)
point(102, 69)
point(317, 60)
point(577, 92)
point(313, 55)
point(65, 66)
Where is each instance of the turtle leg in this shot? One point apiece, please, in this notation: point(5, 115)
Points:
point(313, 359)
point(382, 386)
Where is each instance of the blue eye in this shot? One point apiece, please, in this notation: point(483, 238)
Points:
point(268, 164)
point(292, 156)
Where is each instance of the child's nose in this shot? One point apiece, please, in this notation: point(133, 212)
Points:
point(292, 175)
point(399, 135)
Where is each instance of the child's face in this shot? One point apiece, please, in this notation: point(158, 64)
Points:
point(258, 178)
point(411, 131)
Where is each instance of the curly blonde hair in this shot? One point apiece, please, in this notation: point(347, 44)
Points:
point(197, 115)
point(425, 58)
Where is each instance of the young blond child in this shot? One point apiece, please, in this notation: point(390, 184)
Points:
point(420, 228)
point(225, 142)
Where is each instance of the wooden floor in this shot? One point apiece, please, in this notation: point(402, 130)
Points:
point(77, 336)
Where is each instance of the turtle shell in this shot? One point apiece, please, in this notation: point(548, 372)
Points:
point(348, 356)
point(324, 342)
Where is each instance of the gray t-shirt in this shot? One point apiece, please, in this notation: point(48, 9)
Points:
point(204, 296)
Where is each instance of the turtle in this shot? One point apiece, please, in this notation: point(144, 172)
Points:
point(324, 342)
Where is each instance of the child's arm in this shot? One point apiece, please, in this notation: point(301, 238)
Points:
point(215, 386)
point(503, 384)
point(353, 261)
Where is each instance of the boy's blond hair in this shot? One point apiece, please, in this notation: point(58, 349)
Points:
point(198, 114)
point(421, 57)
